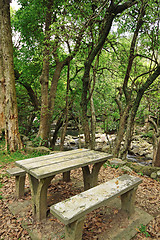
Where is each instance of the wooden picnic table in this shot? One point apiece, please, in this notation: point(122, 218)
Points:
point(42, 169)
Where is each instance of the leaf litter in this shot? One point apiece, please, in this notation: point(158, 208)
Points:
point(147, 198)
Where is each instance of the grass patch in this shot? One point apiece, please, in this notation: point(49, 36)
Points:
point(8, 157)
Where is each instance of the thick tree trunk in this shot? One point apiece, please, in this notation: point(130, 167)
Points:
point(2, 89)
point(43, 129)
point(12, 136)
point(44, 79)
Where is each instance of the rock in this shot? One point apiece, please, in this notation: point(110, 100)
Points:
point(29, 143)
point(81, 136)
point(99, 130)
point(135, 151)
point(99, 140)
point(98, 135)
point(126, 169)
point(141, 152)
point(25, 138)
point(38, 149)
point(149, 156)
point(153, 175)
point(158, 174)
point(116, 161)
point(106, 148)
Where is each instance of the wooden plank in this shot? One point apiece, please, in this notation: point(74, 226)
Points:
point(78, 206)
point(50, 156)
point(46, 171)
point(32, 165)
point(16, 171)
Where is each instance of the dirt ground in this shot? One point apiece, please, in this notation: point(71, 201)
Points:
point(96, 223)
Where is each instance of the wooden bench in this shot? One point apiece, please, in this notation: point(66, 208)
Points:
point(19, 175)
point(72, 211)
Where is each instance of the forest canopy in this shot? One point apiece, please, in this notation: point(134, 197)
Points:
point(95, 63)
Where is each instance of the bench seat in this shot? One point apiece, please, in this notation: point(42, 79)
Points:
point(16, 171)
point(72, 211)
point(19, 175)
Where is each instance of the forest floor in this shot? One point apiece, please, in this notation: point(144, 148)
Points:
point(147, 199)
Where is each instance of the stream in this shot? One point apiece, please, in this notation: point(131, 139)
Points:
point(72, 142)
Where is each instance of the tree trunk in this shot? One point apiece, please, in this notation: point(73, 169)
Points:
point(156, 160)
point(43, 129)
point(2, 89)
point(121, 131)
point(93, 124)
point(128, 135)
point(44, 79)
point(55, 135)
point(156, 143)
point(12, 136)
point(65, 123)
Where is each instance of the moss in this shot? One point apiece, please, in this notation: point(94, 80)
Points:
point(145, 170)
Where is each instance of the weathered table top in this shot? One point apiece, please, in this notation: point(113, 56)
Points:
point(49, 165)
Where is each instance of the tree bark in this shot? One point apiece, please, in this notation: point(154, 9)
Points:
point(121, 131)
point(156, 161)
point(156, 143)
point(65, 123)
point(93, 124)
point(12, 136)
point(2, 89)
point(44, 79)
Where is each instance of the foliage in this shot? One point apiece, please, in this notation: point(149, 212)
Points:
point(111, 165)
point(71, 19)
point(147, 135)
point(143, 230)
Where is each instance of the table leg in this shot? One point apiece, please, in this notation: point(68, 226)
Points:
point(39, 196)
point(90, 178)
point(66, 176)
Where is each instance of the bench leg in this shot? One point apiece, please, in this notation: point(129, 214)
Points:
point(39, 196)
point(20, 182)
point(66, 176)
point(128, 201)
point(73, 231)
point(91, 178)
